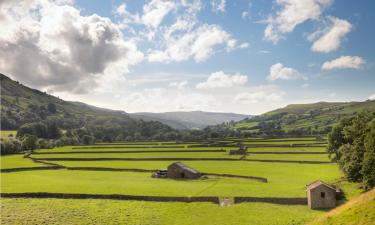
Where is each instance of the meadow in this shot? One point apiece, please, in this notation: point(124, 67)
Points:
point(285, 179)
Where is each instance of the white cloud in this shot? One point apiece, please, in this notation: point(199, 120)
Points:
point(179, 85)
point(198, 44)
point(58, 48)
point(330, 38)
point(244, 15)
point(280, 72)
point(293, 13)
point(221, 80)
point(264, 51)
point(344, 62)
point(371, 97)
point(244, 45)
point(269, 93)
point(155, 11)
point(218, 5)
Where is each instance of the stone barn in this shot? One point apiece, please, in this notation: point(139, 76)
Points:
point(179, 170)
point(321, 195)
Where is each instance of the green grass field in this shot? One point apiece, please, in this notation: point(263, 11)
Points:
point(17, 161)
point(5, 133)
point(284, 180)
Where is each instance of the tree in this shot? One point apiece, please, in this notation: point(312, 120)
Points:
point(88, 140)
point(352, 142)
point(29, 142)
point(51, 108)
point(336, 139)
point(368, 169)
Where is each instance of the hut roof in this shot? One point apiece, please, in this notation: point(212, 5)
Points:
point(317, 183)
point(185, 167)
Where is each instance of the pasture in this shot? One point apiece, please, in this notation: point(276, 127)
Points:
point(112, 169)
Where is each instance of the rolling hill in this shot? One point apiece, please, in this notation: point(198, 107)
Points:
point(190, 120)
point(21, 105)
point(306, 118)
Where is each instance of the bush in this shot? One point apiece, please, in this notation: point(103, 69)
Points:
point(11, 146)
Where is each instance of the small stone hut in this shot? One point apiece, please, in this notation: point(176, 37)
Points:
point(321, 195)
point(179, 170)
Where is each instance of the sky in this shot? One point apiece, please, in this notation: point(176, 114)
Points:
point(242, 56)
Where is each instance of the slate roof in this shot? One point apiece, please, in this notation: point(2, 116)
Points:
point(317, 183)
point(185, 167)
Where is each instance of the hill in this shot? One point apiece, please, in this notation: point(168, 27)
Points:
point(303, 118)
point(23, 105)
point(190, 120)
point(358, 211)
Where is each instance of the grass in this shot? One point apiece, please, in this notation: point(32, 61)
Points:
point(17, 161)
point(358, 211)
point(284, 180)
point(5, 133)
point(142, 155)
point(54, 211)
point(286, 149)
point(126, 148)
point(298, 157)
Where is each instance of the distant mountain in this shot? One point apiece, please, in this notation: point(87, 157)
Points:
point(190, 120)
point(304, 118)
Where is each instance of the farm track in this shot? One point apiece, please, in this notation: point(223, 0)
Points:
point(212, 199)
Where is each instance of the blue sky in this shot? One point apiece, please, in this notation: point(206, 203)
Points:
point(242, 56)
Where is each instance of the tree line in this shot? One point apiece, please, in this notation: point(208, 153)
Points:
point(351, 144)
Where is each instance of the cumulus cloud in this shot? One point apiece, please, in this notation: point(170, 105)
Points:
point(291, 14)
point(218, 5)
point(50, 45)
point(221, 80)
point(279, 72)
point(198, 44)
point(329, 39)
point(180, 37)
point(269, 93)
point(371, 97)
point(344, 62)
point(155, 11)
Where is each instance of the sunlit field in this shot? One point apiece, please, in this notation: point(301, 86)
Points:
point(107, 168)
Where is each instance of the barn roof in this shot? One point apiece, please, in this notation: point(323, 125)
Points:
point(185, 167)
point(318, 183)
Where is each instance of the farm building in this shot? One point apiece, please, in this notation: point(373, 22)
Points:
point(321, 195)
point(179, 170)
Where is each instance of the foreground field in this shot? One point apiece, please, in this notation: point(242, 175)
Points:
point(54, 211)
point(92, 170)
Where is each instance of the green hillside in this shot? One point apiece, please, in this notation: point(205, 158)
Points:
point(303, 118)
point(22, 105)
point(358, 211)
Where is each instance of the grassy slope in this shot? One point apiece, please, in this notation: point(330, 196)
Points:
point(358, 211)
point(320, 115)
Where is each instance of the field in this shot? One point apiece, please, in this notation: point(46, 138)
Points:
point(5, 133)
point(126, 168)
